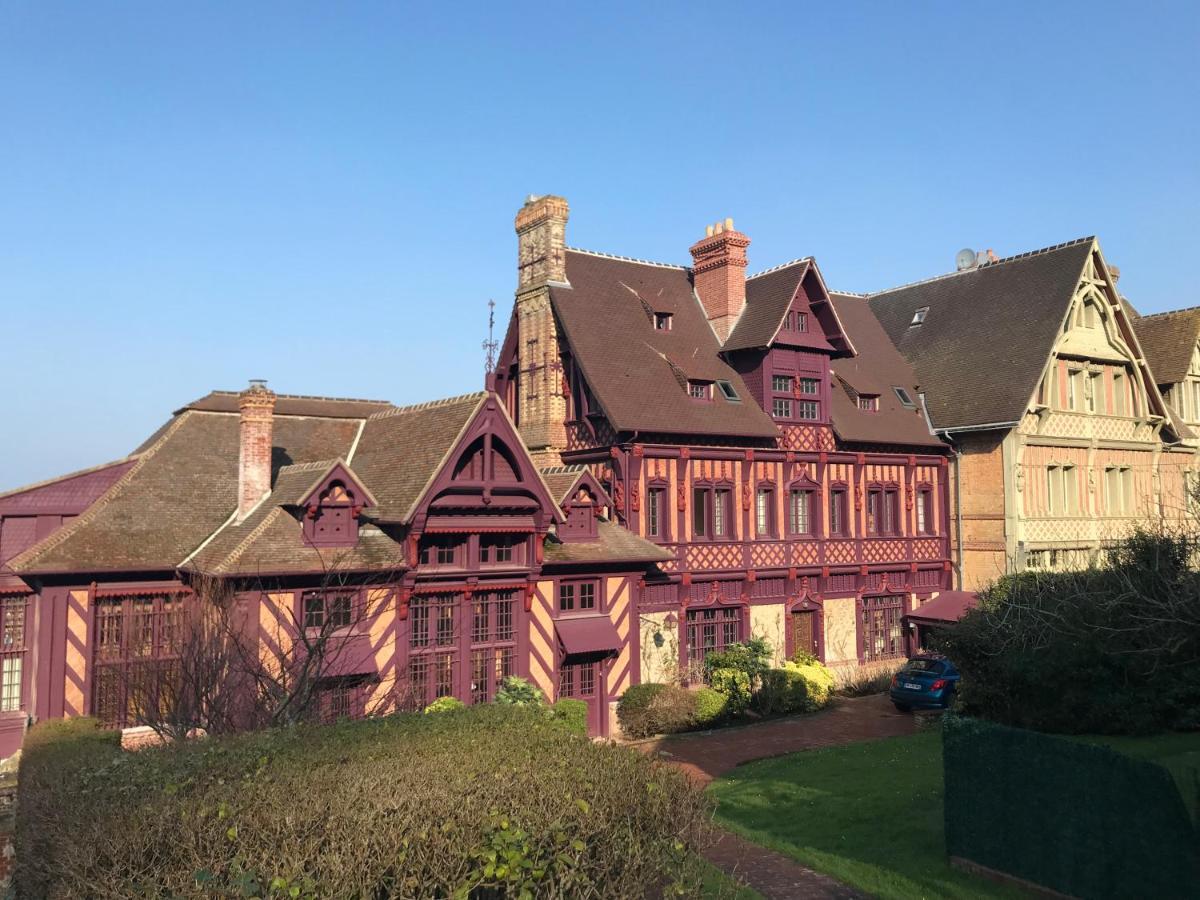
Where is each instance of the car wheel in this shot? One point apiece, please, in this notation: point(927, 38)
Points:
point(903, 707)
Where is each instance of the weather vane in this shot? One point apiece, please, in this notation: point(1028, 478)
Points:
point(490, 345)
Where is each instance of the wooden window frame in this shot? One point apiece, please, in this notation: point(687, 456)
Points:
point(771, 519)
point(885, 520)
point(657, 499)
point(704, 511)
point(839, 510)
point(924, 510)
point(493, 641)
point(662, 321)
point(572, 593)
point(813, 491)
point(342, 603)
point(495, 545)
point(700, 391)
point(728, 627)
point(126, 660)
point(433, 547)
point(893, 607)
point(14, 651)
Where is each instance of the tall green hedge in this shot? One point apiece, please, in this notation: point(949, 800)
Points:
point(487, 801)
point(1077, 818)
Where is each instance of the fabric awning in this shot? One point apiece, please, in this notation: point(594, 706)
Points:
point(584, 635)
point(948, 606)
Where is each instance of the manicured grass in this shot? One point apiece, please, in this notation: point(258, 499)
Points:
point(869, 814)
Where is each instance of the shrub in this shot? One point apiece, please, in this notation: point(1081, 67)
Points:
point(735, 684)
point(1107, 650)
point(648, 709)
point(752, 657)
point(818, 680)
point(571, 714)
point(711, 707)
point(864, 682)
point(400, 806)
point(445, 704)
point(516, 691)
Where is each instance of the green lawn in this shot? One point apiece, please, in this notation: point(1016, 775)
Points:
point(869, 814)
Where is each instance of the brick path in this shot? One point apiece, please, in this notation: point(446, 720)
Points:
point(707, 755)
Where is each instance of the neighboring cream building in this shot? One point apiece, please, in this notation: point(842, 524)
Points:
point(1030, 366)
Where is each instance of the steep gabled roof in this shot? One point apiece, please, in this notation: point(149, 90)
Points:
point(987, 332)
point(768, 296)
point(613, 544)
point(294, 405)
point(1168, 341)
point(877, 368)
point(636, 372)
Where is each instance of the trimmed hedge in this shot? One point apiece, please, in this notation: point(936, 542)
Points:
point(712, 706)
point(649, 709)
point(1077, 818)
point(793, 689)
point(485, 801)
point(572, 715)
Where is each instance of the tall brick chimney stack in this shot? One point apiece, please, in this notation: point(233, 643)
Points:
point(541, 226)
point(719, 275)
point(257, 405)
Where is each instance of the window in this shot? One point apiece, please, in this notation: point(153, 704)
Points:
point(12, 653)
point(1074, 388)
point(810, 386)
point(1118, 490)
point(340, 698)
point(432, 647)
point(712, 513)
point(326, 610)
point(577, 681)
point(136, 656)
point(1062, 491)
point(662, 321)
point(801, 321)
point(837, 512)
point(699, 390)
point(576, 596)
point(868, 402)
point(918, 317)
point(1071, 492)
point(656, 513)
point(782, 384)
point(1089, 315)
point(883, 511)
point(723, 513)
point(904, 398)
point(712, 630)
point(787, 321)
point(728, 392)
point(882, 635)
point(807, 409)
point(800, 512)
point(924, 511)
point(505, 549)
point(1094, 392)
point(493, 641)
point(781, 408)
point(442, 550)
point(1120, 407)
point(764, 512)
point(701, 501)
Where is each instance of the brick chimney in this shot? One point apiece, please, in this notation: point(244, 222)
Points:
point(719, 275)
point(541, 226)
point(257, 405)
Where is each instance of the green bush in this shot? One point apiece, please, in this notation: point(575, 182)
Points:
point(819, 682)
point(783, 691)
point(751, 657)
point(516, 691)
point(445, 704)
point(1107, 650)
point(649, 709)
point(490, 801)
point(711, 707)
point(571, 714)
point(735, 684)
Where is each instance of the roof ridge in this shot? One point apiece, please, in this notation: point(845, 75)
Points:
point(860, 296)
point(302, 397)
point(986, 265)
point(46, 482)
point(428, 404)
point(244, 544)
point(563, 470)
point(310, 466)
point(632, 259)
point(1167, 312)
point(792, 262)
point(61, 535)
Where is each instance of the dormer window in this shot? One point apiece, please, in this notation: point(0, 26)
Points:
point(904, 398)
point(868, 402)
point(333, 520)
point(700, 390)
point(918, 317)
point(728, 392)
point(662, 321)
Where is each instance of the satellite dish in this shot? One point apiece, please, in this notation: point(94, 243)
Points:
point(965, 259)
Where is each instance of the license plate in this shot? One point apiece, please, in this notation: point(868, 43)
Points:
point(909, 686)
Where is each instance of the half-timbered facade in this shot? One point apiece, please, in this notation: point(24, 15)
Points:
point(761, 431)
point(1033, 371)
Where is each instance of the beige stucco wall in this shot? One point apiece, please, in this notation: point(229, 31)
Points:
point(841, 635)
point(769, 622)
point(659, 664)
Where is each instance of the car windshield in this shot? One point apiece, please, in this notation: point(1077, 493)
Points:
point(925, 665)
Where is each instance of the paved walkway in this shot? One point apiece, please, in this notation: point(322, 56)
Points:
point(709, 754)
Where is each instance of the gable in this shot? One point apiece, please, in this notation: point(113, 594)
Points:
point(774, 298)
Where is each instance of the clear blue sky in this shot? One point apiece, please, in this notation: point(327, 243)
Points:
point(192, 195)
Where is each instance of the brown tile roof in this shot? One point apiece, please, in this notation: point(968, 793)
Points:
point(988, 332)
point(560, 480)
point(1168, 341)
point(877, 368)
point(768, 296)
point(294, 405)
point(613, 544)
point(402, 449)
point(178, 493)
point(634, 370)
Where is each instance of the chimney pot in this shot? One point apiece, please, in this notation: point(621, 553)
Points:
point(729, 224)
point(256, 429)
point(710, 230)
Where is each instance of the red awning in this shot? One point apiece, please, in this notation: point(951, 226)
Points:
point(948, 606)
point(588, 634)
point(350, 655)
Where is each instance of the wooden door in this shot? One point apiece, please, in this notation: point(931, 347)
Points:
point(804, 631)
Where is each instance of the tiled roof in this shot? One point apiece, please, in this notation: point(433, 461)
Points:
point(768, 296)
point(636, 371)
point(987, 333)
point(1168, 341)
point(877, 368)
point(294, 405)
point(560, 480)
point(613, 544)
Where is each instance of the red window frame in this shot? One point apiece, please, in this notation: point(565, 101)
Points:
point(658, 515)
point(712, 505)
point(502, 549)
point(442, 551)
point(493, 642)
point(925, 523)
point(579, 681)
point(320, 609)
point(839, 517)
point(136, 637)
point(579, 596)
point(711, 629)
point(14, 631)
point(880, 630)
point(883, 510)
point(765, 525)
point(433, 657)
point(804, 493)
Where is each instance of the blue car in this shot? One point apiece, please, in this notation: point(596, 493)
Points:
point(925, 682)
